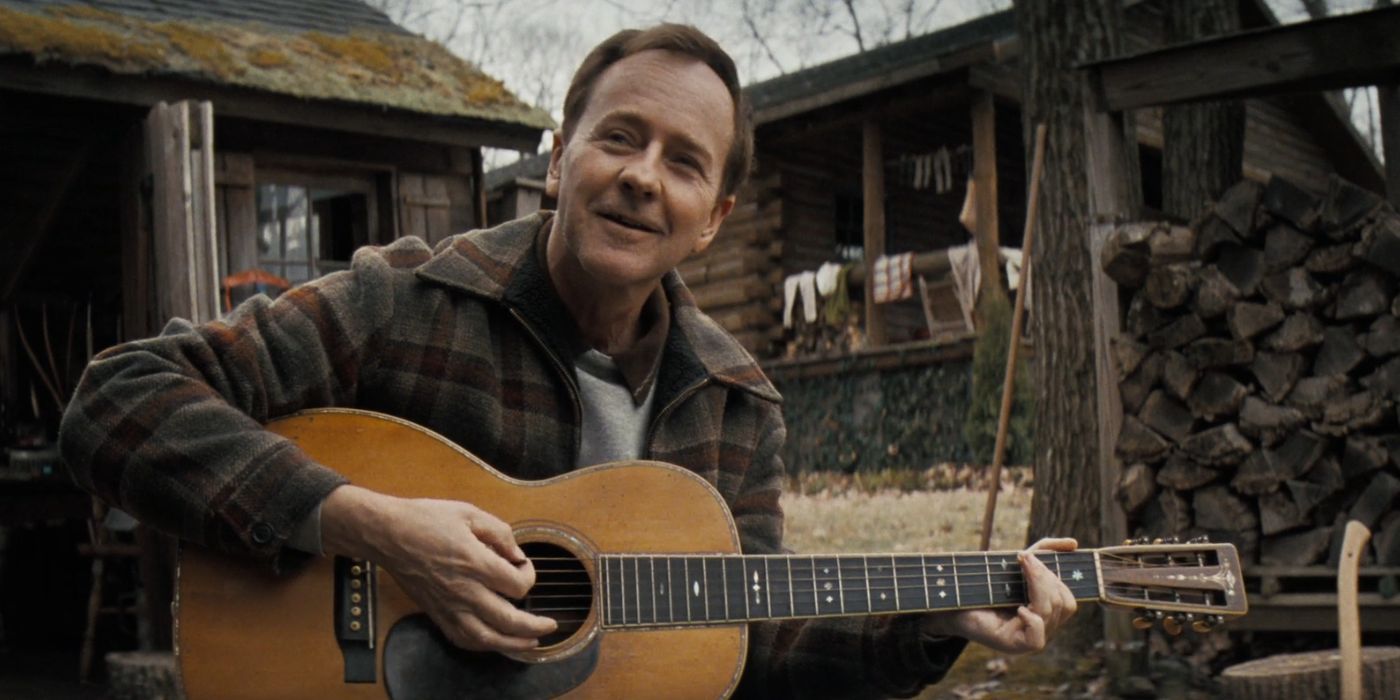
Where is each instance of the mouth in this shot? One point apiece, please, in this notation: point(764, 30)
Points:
point(629, 222)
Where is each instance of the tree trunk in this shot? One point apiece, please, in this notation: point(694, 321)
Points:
point(1203, 153)
point(1056, 37)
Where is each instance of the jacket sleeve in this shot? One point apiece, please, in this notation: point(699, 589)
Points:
point(856, 657)
point(169, 428)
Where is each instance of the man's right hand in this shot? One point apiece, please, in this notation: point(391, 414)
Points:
point(458, 562)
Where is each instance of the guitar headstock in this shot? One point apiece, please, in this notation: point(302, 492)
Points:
point(1193, 583)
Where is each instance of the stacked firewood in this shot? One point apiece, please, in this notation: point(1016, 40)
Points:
point(1260, 366)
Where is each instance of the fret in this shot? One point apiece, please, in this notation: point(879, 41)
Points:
point(780, 598)
point(972, 580)
point(894, 581)
point(792, 599)
point(757, 588)
point(826, 581)
point(644, 607)
point(943, 590)
point(735, 604)
point(804, 593)
point(850, 580)
point(677, 574)
point(627, 594)
point(1005, 577)
point(651, 569)
point(910, 580)
point(714, 589)
point(883, 586)
point(865, 571)
point(695, 589)
point(612, 576)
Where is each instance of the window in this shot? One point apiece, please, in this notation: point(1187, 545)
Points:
point(309, 226)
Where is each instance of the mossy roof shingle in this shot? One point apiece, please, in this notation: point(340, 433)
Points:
point(340, 50)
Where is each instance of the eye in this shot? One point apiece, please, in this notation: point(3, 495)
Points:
point(618, 137)
point(688, 162)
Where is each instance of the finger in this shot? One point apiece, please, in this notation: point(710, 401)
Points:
point(1041, 585)
point(1068, 605)
point(1034, 626)
point(478, 636)
point(1055, 544)
point(499, 574)
point(507, 619)
point(497, 535)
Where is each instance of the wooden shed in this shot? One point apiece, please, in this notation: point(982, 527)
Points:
point(835, 136)
point(162, 157)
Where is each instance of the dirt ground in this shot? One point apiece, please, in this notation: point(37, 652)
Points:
point(847, 517)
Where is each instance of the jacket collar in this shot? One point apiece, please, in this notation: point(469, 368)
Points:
point(499, 264)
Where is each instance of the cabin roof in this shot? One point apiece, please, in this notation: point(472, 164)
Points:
point(338, 50)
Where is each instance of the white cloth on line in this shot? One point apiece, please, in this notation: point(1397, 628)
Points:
point(826, 278)
point(807, 287)
point(789, 295)
point(966, 272)
point(801, 285)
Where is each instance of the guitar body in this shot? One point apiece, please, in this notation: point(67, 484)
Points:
point(242, 632)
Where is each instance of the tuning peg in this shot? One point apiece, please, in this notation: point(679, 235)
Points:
point(1128, 542)
point(1201, 626)
point(1173, 540)
point(1203, 539)
point(1142, 623)
point(1172, 625)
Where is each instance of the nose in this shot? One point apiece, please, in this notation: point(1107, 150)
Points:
point(641, 174)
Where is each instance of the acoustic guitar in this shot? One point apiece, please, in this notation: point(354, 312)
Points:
point(639, 563)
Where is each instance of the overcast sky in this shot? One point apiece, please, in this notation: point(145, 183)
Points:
point(534, 45)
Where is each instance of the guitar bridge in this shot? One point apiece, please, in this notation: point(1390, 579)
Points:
point(354, 618)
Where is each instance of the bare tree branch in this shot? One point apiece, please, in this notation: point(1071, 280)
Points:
point(748, 17)
point(855, 23)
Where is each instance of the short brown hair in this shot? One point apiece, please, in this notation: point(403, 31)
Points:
point(682, 39)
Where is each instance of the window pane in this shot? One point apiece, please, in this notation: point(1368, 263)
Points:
point(269, 242)
point(295, 216)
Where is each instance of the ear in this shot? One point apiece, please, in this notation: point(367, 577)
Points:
point(717, 216)
point(556, 152)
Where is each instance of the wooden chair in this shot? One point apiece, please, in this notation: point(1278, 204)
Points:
point(104, 546)
point(944, 314)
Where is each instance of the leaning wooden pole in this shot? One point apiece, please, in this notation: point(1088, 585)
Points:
point(1009, 385)
point(1348, 614)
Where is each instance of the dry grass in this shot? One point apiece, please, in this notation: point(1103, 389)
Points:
point(847, 518)
point(893, 521)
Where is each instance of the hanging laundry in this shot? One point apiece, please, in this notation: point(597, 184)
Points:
point(838, 301)
point(826, 278)
point(966, 272)
point(892, 278)
point(801, 285)
point(945, 170)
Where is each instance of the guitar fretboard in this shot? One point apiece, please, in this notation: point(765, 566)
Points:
point(668, 590)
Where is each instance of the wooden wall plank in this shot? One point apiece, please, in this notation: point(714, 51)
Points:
point(873, 188)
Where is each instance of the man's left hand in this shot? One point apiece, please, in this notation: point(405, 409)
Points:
point(1027, 628)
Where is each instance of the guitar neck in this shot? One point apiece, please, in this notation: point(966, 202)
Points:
point(678, 590)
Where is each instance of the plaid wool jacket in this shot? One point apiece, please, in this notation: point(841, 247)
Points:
point(463, 340)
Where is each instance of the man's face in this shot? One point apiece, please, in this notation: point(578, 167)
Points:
point(638, 178)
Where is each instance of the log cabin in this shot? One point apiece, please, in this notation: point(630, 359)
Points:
point(160, 160)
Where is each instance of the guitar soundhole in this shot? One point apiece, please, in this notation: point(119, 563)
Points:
point(563, 590)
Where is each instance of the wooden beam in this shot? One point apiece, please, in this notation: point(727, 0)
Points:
point(912, 100)
point(873, 188)
point(1390, 139)
point(984, 177)
point(1326, 54)
point(91, 83)
point(1110, 200)
point(479, 188)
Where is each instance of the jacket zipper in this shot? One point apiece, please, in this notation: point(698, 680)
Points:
point(563, 374)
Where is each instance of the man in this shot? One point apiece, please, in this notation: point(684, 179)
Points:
point(546, 344)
